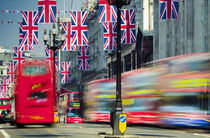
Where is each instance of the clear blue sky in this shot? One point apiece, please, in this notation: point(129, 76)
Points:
point(9, 33)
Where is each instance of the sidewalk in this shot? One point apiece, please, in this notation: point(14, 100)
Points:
point(88, 130)
point(84, 130)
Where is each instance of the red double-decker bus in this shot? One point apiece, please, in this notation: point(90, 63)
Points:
point(5, 109)
point(169, 92)
point(5, 104)
point(74, 107)
point(34, 95)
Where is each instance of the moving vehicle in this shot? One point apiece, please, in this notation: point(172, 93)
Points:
point(139, 100)
point(34, 95)
point(99, 98)
point(186, 92)
point(167, 92)
point(74, 107)
point(5, 109)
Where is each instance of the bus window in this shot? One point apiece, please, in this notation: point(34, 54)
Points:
point(74, 104)
point(185, 66)
point(199, 66)
point(29, 70)
point(181, 102)
point(43, 70)
point(38, 95)
point(34, 70)
point(105, 105)
point(77, 96)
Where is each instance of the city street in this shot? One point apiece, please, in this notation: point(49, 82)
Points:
point(91, 130)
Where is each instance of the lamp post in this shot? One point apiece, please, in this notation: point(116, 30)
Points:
point(54, 42)
point(117, 117)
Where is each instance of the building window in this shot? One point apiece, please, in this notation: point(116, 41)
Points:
point(109, 70)
point(114, 68)
point(127, 62)
point(134, 60)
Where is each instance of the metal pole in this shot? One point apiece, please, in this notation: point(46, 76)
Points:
point(54, 76)
point(118, 104)
point(117, 118)
point(115, 115)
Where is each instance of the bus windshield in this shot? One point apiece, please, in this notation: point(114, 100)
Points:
point(4, 102)
point(74, 112)
point(34, 70)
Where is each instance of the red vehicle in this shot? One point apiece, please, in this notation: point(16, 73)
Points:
point(169, 92)
point(139, 97)
point(74, 107)
point(5, 109)
point(186, 87)
point(99, 99)
point(34, 95)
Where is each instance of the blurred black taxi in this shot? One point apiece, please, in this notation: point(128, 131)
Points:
point(5, 116)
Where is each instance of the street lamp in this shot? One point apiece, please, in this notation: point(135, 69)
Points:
point(118, 120)
point(54, 44)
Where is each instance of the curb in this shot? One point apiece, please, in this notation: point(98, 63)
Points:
point(109, 135)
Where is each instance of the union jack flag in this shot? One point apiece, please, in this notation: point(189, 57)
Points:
point(83, 57)
point(22, 41)
point(4, 87)
point(47, 11)
point(19, 56)
point(128, 26)
point(79, 27)
point(65, 72)
point(110, 35)
point(11, 71)
point(28, 31)
point(49, 57)
point(169, 9)
point(107, 13)
point(67, 46)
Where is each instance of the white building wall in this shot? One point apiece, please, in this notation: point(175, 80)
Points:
point(147, 16)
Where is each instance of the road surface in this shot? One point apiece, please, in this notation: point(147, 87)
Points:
point(90, 130)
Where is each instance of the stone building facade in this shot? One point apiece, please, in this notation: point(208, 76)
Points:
point(5, 57)
point(133, 55)
point(103, 63)
point(160, 39)
point(98, 66)
point(187, 34)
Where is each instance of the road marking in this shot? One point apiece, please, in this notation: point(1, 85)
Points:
point(200, 135)
point(179, 131)
point(5, 134)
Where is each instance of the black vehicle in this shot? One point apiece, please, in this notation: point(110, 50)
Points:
point(5, 116)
